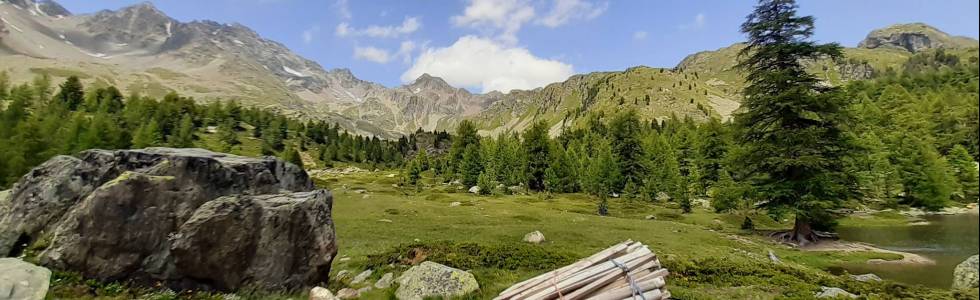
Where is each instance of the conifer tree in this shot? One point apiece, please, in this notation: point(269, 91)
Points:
point(71, 93)
point(184, 137)
point(792, 123)
point(147, 135)
point(536, 148)
point(965, 169)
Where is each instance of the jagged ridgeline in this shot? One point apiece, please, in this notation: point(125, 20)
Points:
point(141, 49)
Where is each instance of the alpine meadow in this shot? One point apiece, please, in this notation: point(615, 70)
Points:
point(823, 149)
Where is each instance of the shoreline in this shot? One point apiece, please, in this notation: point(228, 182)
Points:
point(847, 246)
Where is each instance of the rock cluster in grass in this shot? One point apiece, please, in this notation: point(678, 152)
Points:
point(190, 218)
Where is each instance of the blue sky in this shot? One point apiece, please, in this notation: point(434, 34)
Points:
point(485, 45)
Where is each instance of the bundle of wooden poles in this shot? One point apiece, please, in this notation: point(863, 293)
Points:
point(628, 270)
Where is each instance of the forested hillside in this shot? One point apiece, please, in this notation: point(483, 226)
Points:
point(38, 121)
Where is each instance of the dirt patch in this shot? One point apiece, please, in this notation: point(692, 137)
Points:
point(907, 258)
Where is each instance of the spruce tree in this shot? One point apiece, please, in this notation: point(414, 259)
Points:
point(792, 123)
point(71, 93)
point(536, 148)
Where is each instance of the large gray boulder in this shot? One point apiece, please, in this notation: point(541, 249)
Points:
point(189, 217)
point(966, 274)
point(20, 280)
point(430, 279)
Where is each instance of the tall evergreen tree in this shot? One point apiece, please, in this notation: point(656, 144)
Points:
point(624, 134)
point(537, 147)
point(792, 124)
point(71, 93)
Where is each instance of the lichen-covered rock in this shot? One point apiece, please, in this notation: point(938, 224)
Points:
point(320, 293)
point(20, 280)
point(430, 279)
point(348, 293)
point(866, 277)
point(362, 277)
point(834, 293)
point(966, 274)
point(270, 241)
point(385, 281)
point(120, 215)
point(535, 237)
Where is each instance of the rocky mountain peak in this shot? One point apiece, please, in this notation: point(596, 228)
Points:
point(44, 7)
point(429, 82)
point(914, 37)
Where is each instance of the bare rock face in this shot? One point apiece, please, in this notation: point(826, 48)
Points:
point(189, 217)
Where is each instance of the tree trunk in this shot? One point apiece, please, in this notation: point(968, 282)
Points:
point(802, 234)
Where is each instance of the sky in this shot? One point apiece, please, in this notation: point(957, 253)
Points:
point(486, 45)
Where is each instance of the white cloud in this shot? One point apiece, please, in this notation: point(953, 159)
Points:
point(502, 17)
point(564, 11)
point(698, 23)
point(310, 33)
point(408, 26)
point(483, 63)
point(343, 9)
point(639, 35)
point(372, 54)
point(405, 51)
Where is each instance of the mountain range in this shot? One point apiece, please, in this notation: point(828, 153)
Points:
point(142, 50)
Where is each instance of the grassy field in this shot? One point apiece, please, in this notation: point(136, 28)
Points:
point(707, 253)
point(709, 257)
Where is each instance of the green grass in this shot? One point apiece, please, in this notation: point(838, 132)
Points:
point(384, 227)
point(707, 256)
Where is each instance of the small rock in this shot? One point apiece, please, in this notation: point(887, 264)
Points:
point(832, 292)
point(965, 275)
point(343, 274)
point(455, 204)
point(365, 196)
point(360, 191)
point(363, 290)
point(225, 297)
point(385, 281)
point(650, 217)
point(348, 293)
point(535, 237)
point(392, 175)
point(23, 280)
point(773, 258)
point(385, 221)
point(344, 259)
point(866, 277)
point(474, 189)
point(429, 279)
point(320, 293)
point(361, 277)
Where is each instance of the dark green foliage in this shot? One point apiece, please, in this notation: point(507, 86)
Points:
point(747, 224)
point(536, 149)
point(291, 155)
point(72, 93)
point(965, 171)
point(34, 126)
point(471, 165)
point(793, 126)
point(624, 134)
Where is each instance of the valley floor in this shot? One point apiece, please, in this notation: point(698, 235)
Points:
point(709, 257)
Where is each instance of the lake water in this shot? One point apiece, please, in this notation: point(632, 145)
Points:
point(947, 239)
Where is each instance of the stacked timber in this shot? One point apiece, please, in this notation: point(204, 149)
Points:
point(628, 270)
